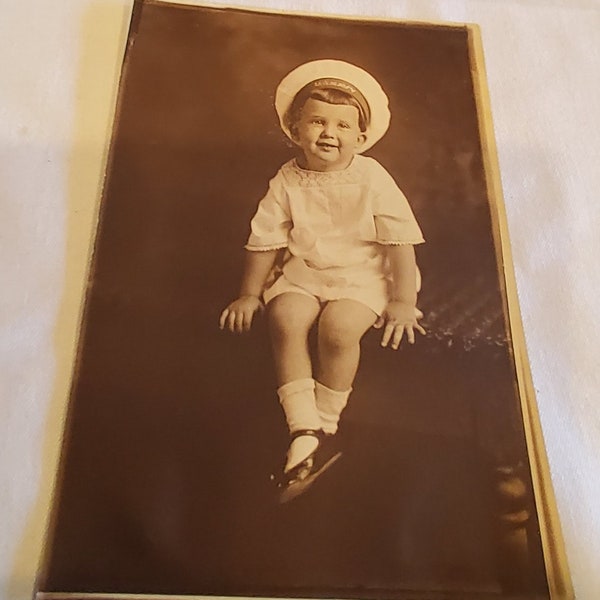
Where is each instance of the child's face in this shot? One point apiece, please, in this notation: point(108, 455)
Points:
point(328, 134)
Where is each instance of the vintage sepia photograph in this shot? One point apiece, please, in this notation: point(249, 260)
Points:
point(300, 371)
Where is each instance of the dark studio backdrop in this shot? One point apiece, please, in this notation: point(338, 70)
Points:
point(175, 426)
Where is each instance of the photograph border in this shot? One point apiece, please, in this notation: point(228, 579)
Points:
point(557, 572)
point(555, 559)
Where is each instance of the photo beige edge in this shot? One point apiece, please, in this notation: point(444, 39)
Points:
point(559, 581)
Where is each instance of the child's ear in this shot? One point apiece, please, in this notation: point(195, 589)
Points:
point(360, 141)
point(294, 133)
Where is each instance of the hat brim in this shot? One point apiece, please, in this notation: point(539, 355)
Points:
point(301, 76)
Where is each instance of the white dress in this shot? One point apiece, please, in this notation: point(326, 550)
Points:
point(334, 225)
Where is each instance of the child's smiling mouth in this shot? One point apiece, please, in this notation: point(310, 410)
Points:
point(327, 146)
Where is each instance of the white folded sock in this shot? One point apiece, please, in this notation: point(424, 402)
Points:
point(297, 399)
point(330, 404)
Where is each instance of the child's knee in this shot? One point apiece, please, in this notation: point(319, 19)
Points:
point(281, 325)
point(336, 335)
point(291, 316)
point(342, 325)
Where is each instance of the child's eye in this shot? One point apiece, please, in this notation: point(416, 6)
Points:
point(317, 121)
point(344, 125)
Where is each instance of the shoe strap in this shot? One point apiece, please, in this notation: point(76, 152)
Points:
point(317, 433)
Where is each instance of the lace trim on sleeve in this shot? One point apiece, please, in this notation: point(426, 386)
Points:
point(266, 248)
point(400, 242)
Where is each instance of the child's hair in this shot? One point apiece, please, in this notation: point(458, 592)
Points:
point(329, 95)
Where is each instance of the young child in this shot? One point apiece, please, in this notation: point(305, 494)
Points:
point(331, 245)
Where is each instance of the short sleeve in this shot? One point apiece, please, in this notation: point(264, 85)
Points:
point(395, 222)
point(272, 222)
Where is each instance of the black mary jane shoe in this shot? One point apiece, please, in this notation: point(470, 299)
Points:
point(299, 478)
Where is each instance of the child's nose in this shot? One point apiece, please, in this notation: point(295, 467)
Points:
point(328, 130)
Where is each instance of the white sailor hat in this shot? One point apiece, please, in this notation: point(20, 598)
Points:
point(340, 75)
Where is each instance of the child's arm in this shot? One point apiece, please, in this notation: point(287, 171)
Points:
point(237, 317)
point(399, 315)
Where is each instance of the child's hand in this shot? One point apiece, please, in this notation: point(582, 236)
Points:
point(237, 317)
point(398, 317)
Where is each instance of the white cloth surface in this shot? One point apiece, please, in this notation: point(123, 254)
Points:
point(58, 67)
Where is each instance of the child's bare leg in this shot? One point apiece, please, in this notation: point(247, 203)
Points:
point(341, 326)
point(291, 317)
